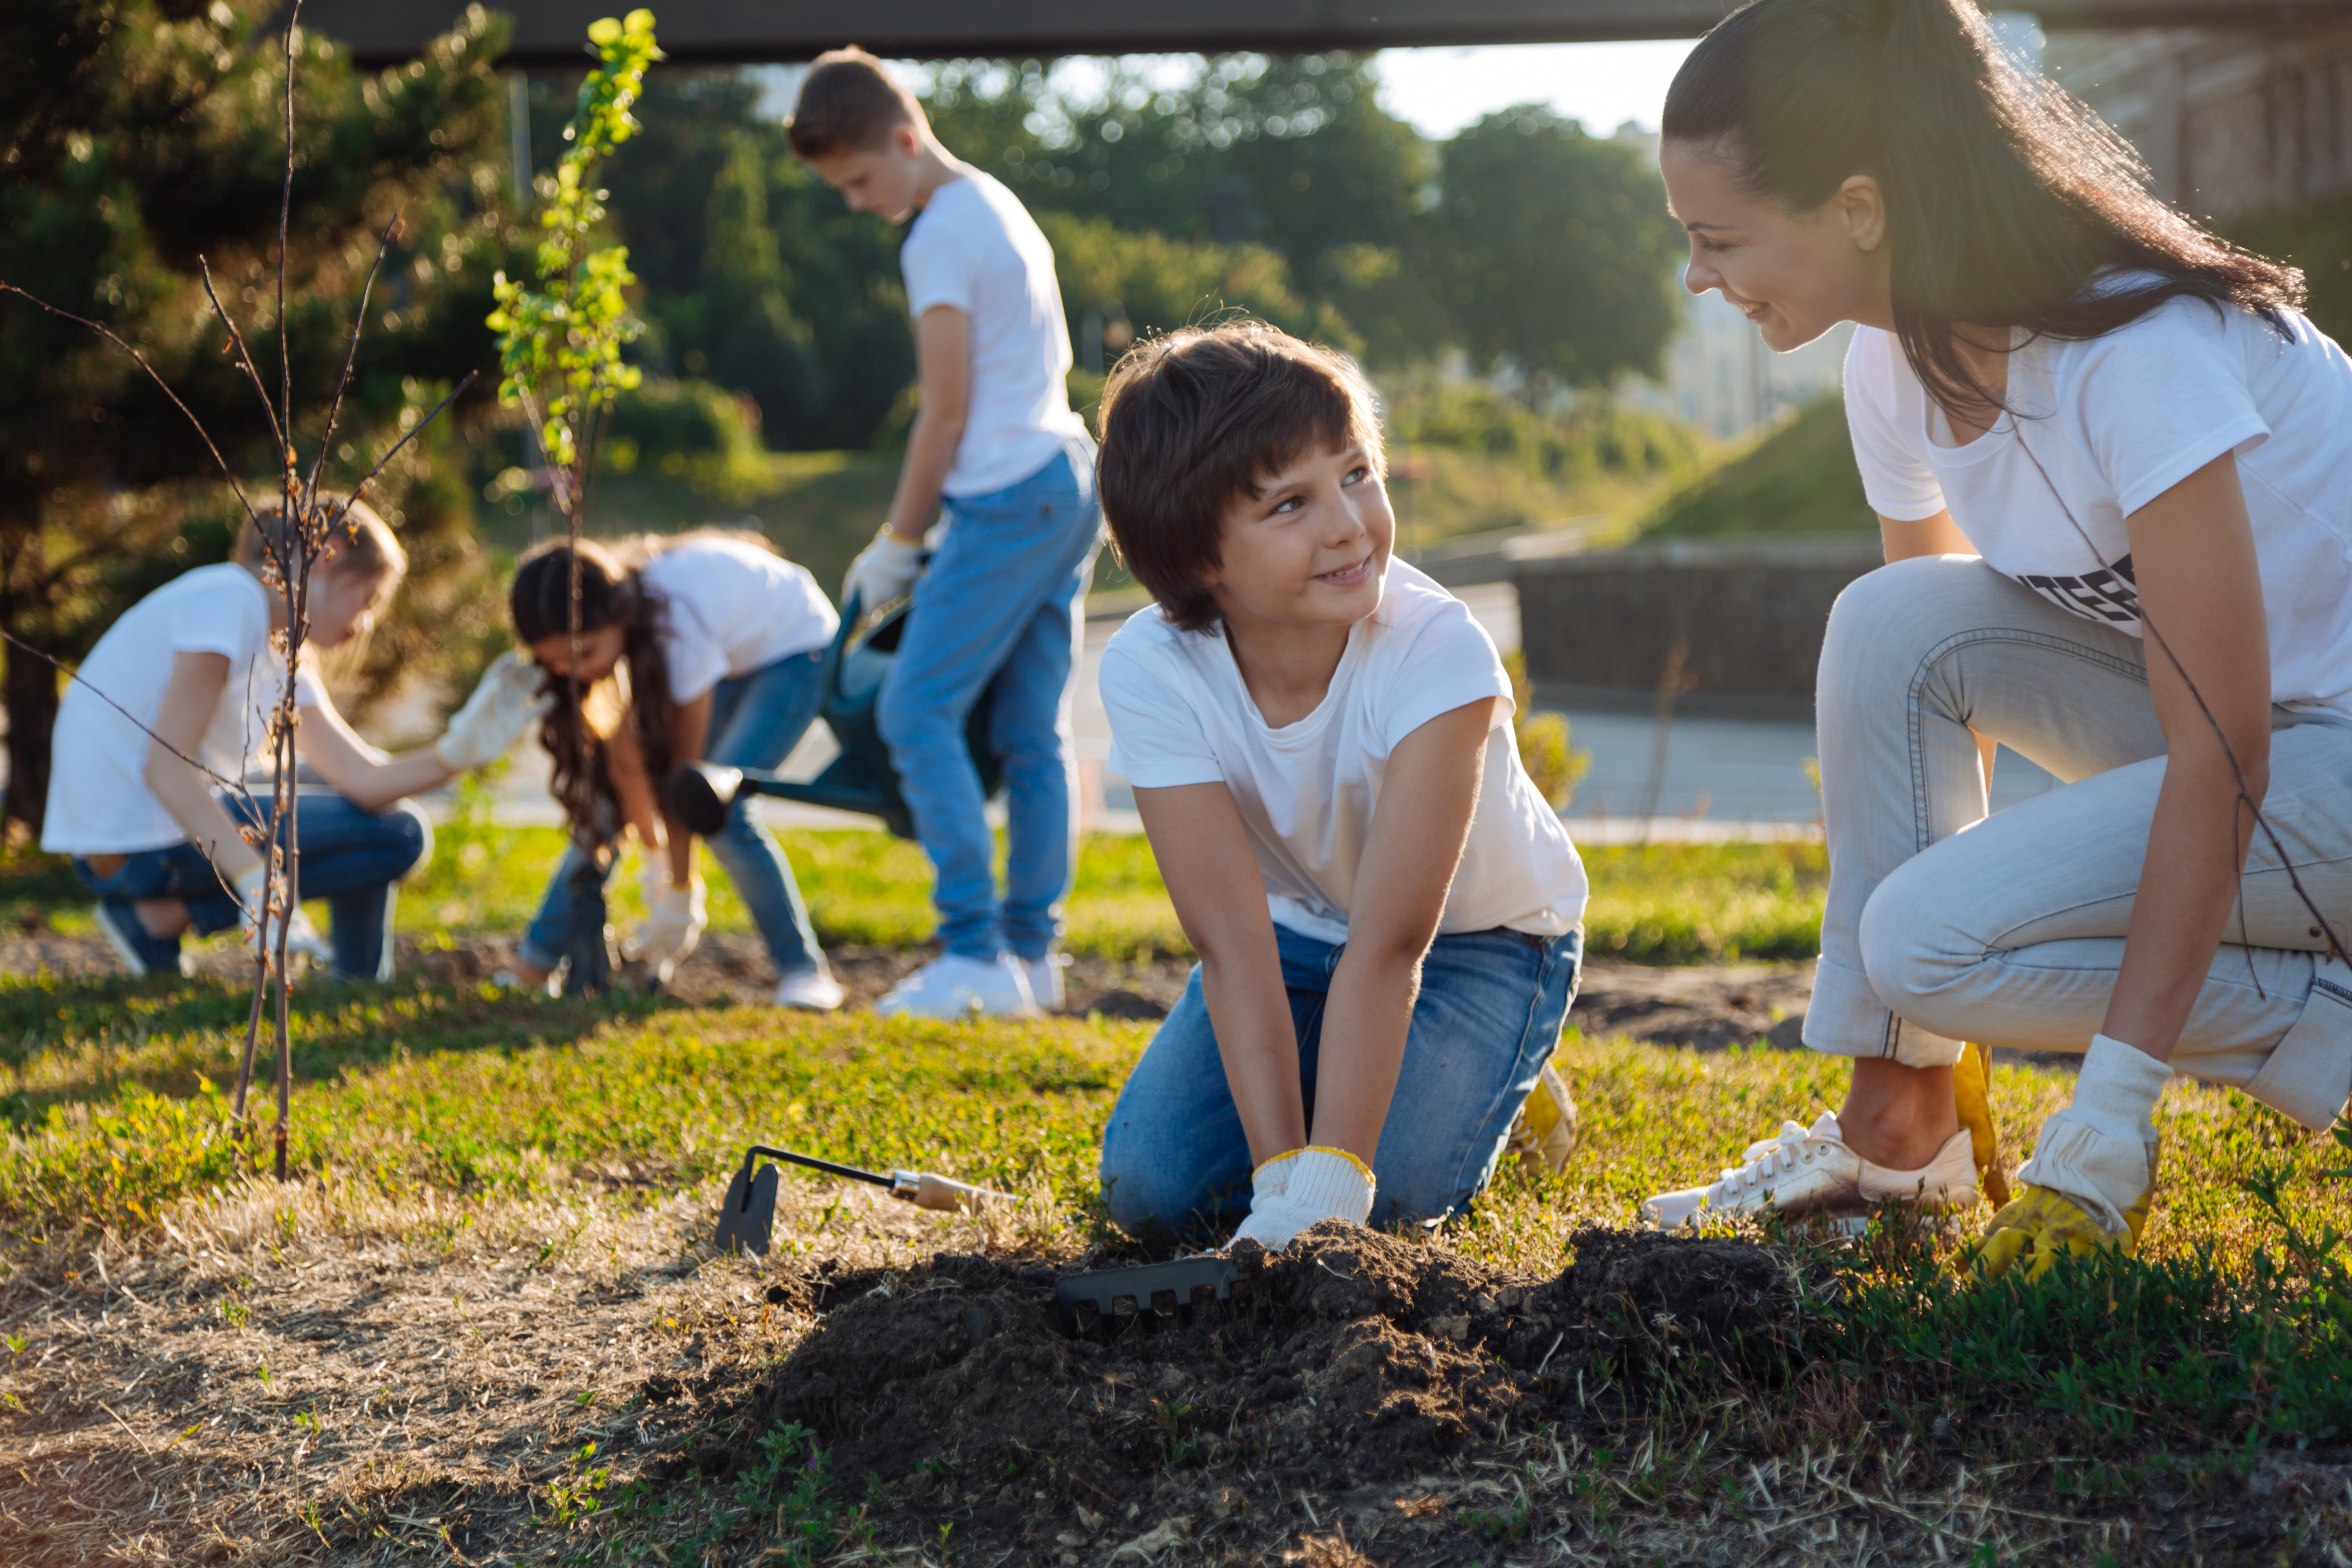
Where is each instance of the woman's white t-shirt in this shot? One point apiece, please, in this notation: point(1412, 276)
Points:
point(975, 247)
point(98, 800)
point(2114, 422)
point(1180, 714)
point(730, 608)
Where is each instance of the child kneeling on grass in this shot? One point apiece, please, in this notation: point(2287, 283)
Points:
point(1387, 912)
point(176, 698)
point(706, 647)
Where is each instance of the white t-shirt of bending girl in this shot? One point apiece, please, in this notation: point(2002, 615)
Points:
point(1181, 715)
point(98, 800)
point(2114, 422)
point(975, 247)
point(730, 608)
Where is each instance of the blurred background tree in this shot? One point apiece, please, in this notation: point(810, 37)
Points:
point(1552, 252)
point(141, 135)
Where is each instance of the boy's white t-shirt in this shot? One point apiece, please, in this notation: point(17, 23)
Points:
point(98, 800)
point(2114, 422)
point(1180, 714)
point(975, 247)
point(730, 608)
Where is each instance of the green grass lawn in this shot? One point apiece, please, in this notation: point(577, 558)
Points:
point(1666, 904)
point(1661, 904)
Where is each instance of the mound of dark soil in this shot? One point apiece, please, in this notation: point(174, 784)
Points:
point(1361, 1359)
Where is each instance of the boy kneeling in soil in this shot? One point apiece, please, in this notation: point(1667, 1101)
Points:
point(1319, 741)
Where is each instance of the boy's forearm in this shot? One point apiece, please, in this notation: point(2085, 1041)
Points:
point(1258, 1044)
point(930, 452)
point(1365, 1024)
point(187, 796)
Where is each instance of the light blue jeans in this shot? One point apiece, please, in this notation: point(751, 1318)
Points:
point(1490, 1011)
point(1944, 925)
point(756, 719)
point(998, 606)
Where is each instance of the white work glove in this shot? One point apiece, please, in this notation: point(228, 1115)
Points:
point(2100, 1151)
point(674, 921)
point(883, 571)
point(503, 705)
point(302, 938)
point(1291, 1191)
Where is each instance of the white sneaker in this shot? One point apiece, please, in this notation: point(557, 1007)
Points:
point(810, 990)
point(1810, 1171)
point(1044, 978)
point(509, 980)
point(953, 986)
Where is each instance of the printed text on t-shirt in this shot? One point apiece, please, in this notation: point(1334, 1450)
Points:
point(2107, 595)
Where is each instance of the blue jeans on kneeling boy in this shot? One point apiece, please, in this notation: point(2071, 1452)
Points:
point(352, 858)
point(756, 719)
point(1489, 1013)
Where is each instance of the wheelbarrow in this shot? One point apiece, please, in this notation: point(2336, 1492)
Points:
point(861, 779)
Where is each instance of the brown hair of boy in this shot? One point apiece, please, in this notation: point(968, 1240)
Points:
point(849, 102)
point(1191, 421)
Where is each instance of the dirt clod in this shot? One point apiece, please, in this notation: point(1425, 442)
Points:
point(1360, 1359)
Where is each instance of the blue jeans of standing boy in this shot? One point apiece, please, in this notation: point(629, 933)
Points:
point(756, 719)
point(998, 606)
point(352, 858)
point(1490, 1010)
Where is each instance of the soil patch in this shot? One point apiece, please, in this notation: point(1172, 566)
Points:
point(1703, 1007)
point(1361, 1360)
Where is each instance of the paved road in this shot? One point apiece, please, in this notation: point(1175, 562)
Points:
point(1721, 778)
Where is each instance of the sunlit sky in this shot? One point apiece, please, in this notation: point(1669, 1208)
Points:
point(1603, 85)
point(1441, 91)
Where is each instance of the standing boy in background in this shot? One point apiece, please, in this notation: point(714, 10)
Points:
point(996, 443)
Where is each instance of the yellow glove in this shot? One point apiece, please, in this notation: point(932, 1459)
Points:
point(2031, 1234)
point(1545, 1128)
point(1972, 1097)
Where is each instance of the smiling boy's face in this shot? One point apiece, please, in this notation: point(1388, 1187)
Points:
point(1308, 546)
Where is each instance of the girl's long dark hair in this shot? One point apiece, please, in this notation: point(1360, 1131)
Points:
point(2005, 197)
point(613, 591)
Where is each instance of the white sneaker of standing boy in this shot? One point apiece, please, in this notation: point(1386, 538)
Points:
point(954, 987)
point(1807, 1171)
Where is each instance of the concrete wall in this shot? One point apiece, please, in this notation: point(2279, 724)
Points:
point(2232, 122)
point(1742, 623)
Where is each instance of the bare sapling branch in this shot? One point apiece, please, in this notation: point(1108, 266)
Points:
point(296, 538)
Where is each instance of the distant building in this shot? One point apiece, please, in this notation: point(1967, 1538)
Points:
point(2233, 121)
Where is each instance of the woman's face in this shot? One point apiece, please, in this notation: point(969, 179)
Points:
point(1795, 275)
point(600, 653)
point(343, 603)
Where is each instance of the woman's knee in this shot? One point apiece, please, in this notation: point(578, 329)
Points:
point(1912, 952)
point(1885, 621)
point(409, 832)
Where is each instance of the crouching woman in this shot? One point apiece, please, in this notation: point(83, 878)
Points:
point(175, 703)
point(1386, 910)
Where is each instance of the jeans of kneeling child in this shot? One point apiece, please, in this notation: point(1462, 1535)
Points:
point(1489, 1014)
point(353, 858)
point(756, 719)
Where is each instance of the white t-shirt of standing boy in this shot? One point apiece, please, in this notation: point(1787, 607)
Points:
point(1180, 714)
point(98, 800)
point(730, 608)
point(975, 247)
point(2114, 422)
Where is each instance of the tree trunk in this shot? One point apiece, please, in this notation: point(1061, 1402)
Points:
point(29, 693)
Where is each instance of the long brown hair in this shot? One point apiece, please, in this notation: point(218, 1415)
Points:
point(2006, 198)
point(613, 592)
